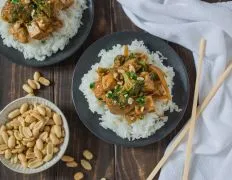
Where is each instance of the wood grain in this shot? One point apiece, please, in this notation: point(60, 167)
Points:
point(112, 162)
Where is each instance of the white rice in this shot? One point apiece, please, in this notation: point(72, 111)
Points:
point(57, 41)
point(152, 121)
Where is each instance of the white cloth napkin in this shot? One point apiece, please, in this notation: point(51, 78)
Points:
point(185, 22)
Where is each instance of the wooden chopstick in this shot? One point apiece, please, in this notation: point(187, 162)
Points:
point(194, 111)
point(185, 130)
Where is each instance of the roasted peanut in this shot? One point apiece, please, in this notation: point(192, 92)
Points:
point(37, 85)
point(88, 155)
point(50, 149)
point(3, 147)
point(86, 165)
point(57, 119)
point(39, 144)
point(48, 112)
point(5, 136)
point(11, 142)
point(22, 157)
point(78, 176)
point(14, 114)
point(57, 131)
point(23, 108)
point(8, 154)
point(44, 81)
point(54, 139)
point(48, 157)
point(36, 76)
point(35, 163)
point(2, 128)
point(27, 132)
point(41, 110)
point(71, 164)
point(32, 84)
point(38, 153)
point(27, 88)
point(67, 158)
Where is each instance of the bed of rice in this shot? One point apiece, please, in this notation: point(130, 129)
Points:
point(57, 41)
point(152, 121)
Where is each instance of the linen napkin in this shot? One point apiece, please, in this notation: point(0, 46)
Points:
point(185, 22)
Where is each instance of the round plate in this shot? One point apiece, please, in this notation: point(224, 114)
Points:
point(180, 89)
point(73, 45)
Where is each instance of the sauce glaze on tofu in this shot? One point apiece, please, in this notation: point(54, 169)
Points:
point(33, 19)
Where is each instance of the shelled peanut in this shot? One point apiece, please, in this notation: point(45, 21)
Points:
point(85, 163)
point(32, 135)
point(35, 83)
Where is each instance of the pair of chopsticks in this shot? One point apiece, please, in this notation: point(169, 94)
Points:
point(194, 117)
point(194, 112)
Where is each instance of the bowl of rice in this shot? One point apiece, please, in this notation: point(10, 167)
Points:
point(114, 128)
point(77, 22)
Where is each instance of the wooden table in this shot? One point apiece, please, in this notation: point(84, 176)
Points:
point(111, 161)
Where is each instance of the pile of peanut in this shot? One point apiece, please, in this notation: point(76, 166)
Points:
point(32, 135)
point(85, 163)
point(35, 84)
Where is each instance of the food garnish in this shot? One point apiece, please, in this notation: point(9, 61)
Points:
point(33, 19)
point(131, 86)
point(35, 84)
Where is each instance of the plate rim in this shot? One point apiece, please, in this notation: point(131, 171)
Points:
point(49, 63)
point(134, 143)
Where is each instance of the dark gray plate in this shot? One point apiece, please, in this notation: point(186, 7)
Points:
point(74, 43)
point(180, 90)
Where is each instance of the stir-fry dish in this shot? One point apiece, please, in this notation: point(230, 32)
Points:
point(131, 86)
point(33, 19)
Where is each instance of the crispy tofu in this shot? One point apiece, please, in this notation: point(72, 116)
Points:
point(43, 22)
point(7, 12)
point(149, 104)
point(108, 82)
point(148, 82)
point(34, 31)
point(98, 90)
point(19, 32)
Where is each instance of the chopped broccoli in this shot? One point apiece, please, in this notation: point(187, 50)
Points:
point(141, 100)
point(131, 75)
point(92, 85)
point(137, 88)
point(15, 1)
point(154, 76)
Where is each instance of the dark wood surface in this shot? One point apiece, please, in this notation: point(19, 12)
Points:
point(111, 161)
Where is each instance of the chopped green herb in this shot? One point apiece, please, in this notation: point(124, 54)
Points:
point(131, 56)
point(136, 89)
point(43, 41)
point(100, 99)
point(131, 75)
point(154, 76)
point(119, 59)
point(141, 100)
point(102, 70)
point(112, 95)
point(117, 89)
point(92, 85)
point(15, 1)
point(142, 63)
point(109, 94)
